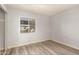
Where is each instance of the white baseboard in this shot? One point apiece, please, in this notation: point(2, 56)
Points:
point(36, 41)
point(1, 49)
point(66, 44)
point(25, 43)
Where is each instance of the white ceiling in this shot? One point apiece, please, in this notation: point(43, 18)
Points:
point(44, 9)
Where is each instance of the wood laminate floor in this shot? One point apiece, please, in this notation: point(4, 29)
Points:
point(1, 52)
point(43, 48)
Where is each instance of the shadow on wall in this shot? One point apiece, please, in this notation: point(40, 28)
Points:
point(65, 27)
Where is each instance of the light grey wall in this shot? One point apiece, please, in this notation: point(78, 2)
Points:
point(65, 27)
point(2, 29)
point(13, 35)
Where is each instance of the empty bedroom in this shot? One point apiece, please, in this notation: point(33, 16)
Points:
point(39, 29)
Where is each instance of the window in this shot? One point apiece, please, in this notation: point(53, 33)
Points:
point(27, 25)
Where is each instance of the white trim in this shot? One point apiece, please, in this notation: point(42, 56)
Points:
point(1, 49)
point(26, 43)
point(3, 7)
point(66, 44)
